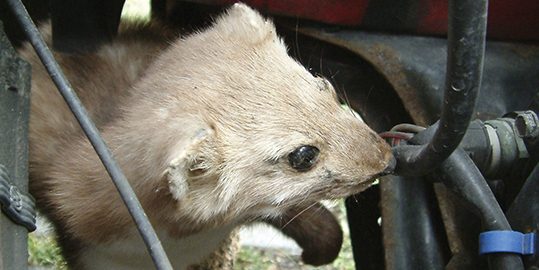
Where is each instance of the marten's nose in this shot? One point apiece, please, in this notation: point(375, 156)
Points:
point(390, 167)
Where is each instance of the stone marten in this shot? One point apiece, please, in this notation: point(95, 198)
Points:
point(213, 130)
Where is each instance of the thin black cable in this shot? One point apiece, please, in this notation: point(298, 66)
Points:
point(146, 230)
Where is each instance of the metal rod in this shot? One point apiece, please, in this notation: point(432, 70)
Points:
point(465, 53)
point(120, 181)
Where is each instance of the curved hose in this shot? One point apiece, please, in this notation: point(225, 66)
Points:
point(465, 53)
point(460, 174)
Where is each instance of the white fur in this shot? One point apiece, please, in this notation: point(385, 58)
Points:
point(131, 253)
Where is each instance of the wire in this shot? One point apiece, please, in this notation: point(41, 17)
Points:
point(395, 137)
point(408, 128)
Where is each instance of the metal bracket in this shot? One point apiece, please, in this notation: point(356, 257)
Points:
point(17, 205)
point(507, 242)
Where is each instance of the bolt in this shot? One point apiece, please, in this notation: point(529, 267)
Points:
point(527, 124)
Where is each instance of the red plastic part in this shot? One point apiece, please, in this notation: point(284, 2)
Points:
point(508, 19)
point(340, 12)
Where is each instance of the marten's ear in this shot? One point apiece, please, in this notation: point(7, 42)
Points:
point(188, 162)
point(245, 24)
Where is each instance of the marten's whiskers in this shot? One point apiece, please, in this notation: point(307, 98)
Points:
point(298, 214)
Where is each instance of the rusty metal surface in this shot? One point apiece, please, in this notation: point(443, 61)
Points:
point(415, 67)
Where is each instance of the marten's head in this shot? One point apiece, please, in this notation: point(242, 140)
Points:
point(266, 134)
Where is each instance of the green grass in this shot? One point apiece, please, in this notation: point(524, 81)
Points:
point(44, 251)
point(136, 9)
point(250, 258)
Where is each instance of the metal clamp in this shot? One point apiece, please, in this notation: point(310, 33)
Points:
point(507, 242)
point(17, 205)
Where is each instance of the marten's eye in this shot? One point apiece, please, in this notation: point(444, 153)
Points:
point(303, 158)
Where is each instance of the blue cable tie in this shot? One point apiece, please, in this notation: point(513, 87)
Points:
point(507, 242)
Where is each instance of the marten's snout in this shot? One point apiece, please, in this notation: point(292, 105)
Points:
point(383, 162)
point(391, 165)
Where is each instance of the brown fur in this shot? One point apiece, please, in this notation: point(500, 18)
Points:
point(202, 129)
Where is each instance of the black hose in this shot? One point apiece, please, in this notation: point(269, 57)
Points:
point(120, 181)
point(411, 226)
point(465, 53)
point(460, 175)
